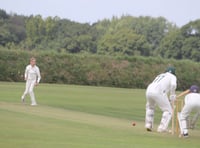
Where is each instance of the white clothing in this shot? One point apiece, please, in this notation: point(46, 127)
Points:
point(32, 73)
point(164, 83)
point(192, 103)
point(157, 94)
point(32, 76)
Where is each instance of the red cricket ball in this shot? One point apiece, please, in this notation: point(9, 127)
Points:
point(134, 124)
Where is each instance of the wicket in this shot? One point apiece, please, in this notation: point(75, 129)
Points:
point(177, 107)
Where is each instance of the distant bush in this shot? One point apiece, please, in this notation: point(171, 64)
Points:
point(85, 69)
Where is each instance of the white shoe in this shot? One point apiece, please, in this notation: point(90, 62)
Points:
point(148, 127)
point(34, 104)
point(161, 130)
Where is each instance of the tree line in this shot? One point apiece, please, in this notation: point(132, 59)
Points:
point(120, 36)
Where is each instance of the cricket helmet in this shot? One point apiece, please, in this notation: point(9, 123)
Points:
point(171, 70)
point(194, 89)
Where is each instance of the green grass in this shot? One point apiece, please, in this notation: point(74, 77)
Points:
point(70, 116)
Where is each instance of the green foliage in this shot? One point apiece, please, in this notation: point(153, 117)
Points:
point(12, 29)
point(3, 14)
point(183, 43)
point(124, 41)
point(96, 70)
point(126, 35)
point(106, 53)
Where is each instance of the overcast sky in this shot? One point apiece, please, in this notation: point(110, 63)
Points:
point(179, 12)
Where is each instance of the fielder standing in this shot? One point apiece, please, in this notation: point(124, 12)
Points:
point(157, 94)
point(192, 103)
point(32, 77)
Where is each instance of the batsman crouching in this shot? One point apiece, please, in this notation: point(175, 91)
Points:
point(157, 93)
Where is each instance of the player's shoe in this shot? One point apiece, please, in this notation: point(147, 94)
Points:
point(186, 135)
point(34, 104)
point(161, 130)
point(148, 127)
point(22, 99)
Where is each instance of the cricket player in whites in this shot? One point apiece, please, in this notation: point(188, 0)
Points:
point(192, 103)
point(32, 77)
point(157, 93)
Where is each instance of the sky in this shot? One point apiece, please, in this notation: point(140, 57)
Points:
point(179, 12)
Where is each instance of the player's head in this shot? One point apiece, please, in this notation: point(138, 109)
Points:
point(194, 89)
point(171, 69)
point(32, 61)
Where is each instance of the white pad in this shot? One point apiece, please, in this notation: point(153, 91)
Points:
point(182, 124)
point(179, 121)
point(166, 117)
point(149, 118)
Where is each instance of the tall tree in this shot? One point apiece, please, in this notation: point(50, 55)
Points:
point(123, 41)
point(35, 31)
point(182, 43)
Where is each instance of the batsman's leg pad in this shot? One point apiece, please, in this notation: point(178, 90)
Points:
point(149, 119)
point(166, 117)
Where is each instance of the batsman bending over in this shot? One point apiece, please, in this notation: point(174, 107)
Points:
point(157, 94)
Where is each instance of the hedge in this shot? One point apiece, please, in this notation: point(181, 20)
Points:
point(96, 70)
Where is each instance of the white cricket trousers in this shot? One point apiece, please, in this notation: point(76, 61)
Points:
point(160, 99)
point(30, 84)
point(192, 103)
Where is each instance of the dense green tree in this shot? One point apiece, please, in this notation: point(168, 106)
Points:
point(191, 43)
point(125, 35)
point(123, 41)
point(17, 27)
point(182, 43)
point(50, 28)
point(170, 46)
point(4, 34)
point(3, 14)
point(35, 31)
point(12, 28)
point(154, 29)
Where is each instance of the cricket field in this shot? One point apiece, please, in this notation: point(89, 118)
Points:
point(72, 116)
